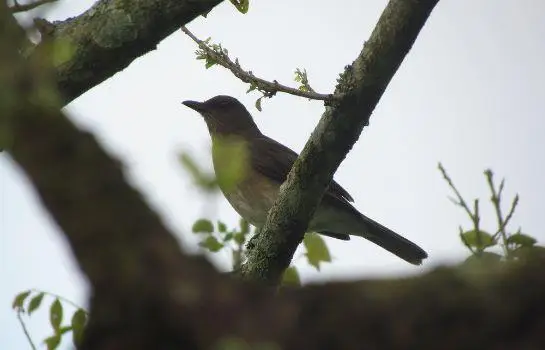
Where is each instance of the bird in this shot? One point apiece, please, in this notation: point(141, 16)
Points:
point(268, 164)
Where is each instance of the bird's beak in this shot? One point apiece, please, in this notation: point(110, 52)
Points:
point(197, 106)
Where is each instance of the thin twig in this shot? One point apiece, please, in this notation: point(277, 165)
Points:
point(496, 199)
point(476, 223)
point(461, 202)
point(16, 7)
point(25, 330)
point(464, 241)
point(473, 215)
point(508, 217)
point(268, 88)
point(61, 298)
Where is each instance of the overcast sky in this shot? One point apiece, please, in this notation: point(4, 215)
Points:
point(470, 94)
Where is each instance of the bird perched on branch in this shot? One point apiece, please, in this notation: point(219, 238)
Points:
point(265, 166)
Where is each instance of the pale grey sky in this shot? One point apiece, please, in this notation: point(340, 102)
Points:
point(469, 94)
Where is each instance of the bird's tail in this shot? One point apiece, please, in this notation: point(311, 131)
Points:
point(341, 221)
point(392, 242)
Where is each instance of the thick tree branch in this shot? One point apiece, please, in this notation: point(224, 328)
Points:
point(145, 293)
point(362, 84)
point(17, 7)
point(111, 34)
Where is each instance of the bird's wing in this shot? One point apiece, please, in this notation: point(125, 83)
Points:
point(275, 160)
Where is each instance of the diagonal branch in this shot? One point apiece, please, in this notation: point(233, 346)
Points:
point(496, 202)
point(17, 7)
point(363, 83)
point(25, 330)
point(111, 34)
point(505, 222)
point(460, 201)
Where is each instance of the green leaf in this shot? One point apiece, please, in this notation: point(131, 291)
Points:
point(19, 299)
point(477, 239)
point(189, 164)
point(232, 161)
point(209, 62)
point(521, 240)
point(258, 104)
point(229, 236)
point(251, 88)
point(222, 227)
point(239, 237)
point(317, 251)
point(65, 329)
point(203, 180)
point(244, 226)
point(78, 325)
point(211, 243)
point(302, 77)
point(291, 277)
point(244, 6)
point(53, 341)
point(55, 314)
point(63, 51)
point(35, 303)
point(484, 259)
point(203, 226)
point(241, 5)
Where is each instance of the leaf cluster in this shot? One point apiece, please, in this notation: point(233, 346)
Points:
point(29, 301)
point(513, 244)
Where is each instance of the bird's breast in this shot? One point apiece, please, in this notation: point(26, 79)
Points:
point(251, 196)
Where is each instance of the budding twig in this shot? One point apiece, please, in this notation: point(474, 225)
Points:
point(268, 88)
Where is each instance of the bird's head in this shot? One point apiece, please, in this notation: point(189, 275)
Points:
point(225, 115)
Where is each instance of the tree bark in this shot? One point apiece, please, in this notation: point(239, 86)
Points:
point(110, 35)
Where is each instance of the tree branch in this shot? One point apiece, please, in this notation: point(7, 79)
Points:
point(496, 202)
point(16, 7)
point(25, 330)
point(339, 128)
point(267, 87)
point(111, 34)
point(460, 201)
